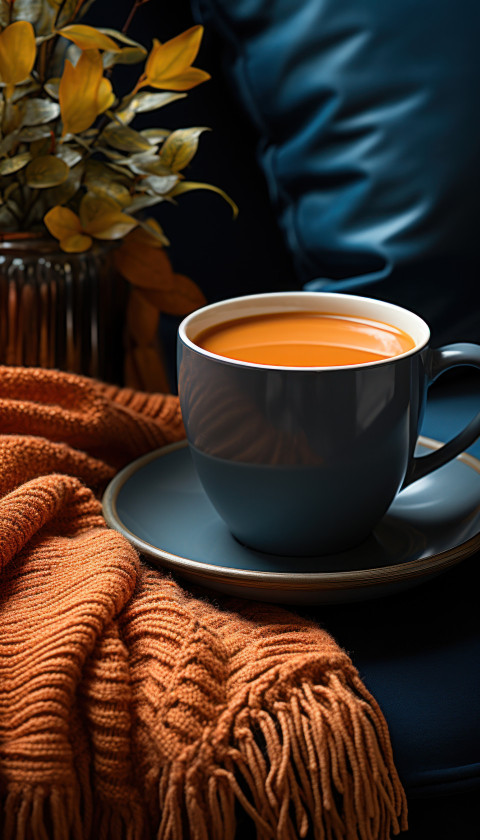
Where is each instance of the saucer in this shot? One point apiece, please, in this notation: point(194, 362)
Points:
point(159, 505)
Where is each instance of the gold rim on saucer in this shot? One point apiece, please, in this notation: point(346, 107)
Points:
point(245, 580)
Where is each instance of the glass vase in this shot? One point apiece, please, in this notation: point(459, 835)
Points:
point(60, 310)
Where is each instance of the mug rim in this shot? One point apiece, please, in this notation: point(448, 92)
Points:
point(359, 300)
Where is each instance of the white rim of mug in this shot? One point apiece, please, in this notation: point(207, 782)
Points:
point(421, 325)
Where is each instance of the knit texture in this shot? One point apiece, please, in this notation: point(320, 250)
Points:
point(132, 709)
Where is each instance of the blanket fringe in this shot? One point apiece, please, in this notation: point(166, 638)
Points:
point(35, 813)
point(317, 760)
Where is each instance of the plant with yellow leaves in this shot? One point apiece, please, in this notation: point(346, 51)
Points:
point(72, 165)
point(70, 159)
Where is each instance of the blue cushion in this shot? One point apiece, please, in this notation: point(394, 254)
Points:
point(367, 128)
point(419, 651)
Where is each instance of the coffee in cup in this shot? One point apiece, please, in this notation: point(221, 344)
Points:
point(302, 412)
point(305, 339)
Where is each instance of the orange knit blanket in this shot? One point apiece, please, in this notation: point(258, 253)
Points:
point(131, 709)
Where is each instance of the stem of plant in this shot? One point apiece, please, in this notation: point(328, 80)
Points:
point(12, 211)
point(26, 221)
point(59, 12)
point(74, 14)
point(130, 17)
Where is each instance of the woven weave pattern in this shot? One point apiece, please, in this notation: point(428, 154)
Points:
point(130, 708)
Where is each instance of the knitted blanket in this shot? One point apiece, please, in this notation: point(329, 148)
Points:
point(133, 709)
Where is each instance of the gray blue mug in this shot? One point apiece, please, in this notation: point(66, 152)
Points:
point(301, 460)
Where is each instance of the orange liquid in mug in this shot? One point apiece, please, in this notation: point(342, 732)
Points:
point(305, 339)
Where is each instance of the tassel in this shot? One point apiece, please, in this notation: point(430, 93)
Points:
point(318, 761)
point(40, 813)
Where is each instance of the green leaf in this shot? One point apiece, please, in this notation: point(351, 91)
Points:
point(126, 55)
point(159, 185)
point(26, 10)
point(120, 36)
point(188, 186)
point(13, 116)
point(139, 163)
point(99, 179)
point(143, 201)
point(143, 102)
point(36, 132)
point(46, 171)
point(24, 89)
point(67, 10)
point(41, 146)
point(4, 13)
point(69, 154)
point(42, 38)
point(73, 53)
point(9, 142)
point(66, 191)
point(14, 164)
point(121, 160)
point(51, 87)
point(156, 167)
point(40, 111)
point(9, 191)
point(125, 115)
point(151, 101)
point(44, 24)
point(124, 138)
point(155, 135)
point(180, 147)
point(122, 171)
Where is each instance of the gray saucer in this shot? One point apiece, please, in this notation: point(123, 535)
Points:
point(159, 505)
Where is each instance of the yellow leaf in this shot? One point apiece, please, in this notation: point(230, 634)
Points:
point(17, 52)
point(187, 80)
point(113, 226)
point(168, 65)
point(62, 222)
point(125, 139)
point(180, 147)
point(100, 179)
point(46, 171)
point(93, 205)
point(88, 38)
point(103, 219)
point(76, 243)
point(81, 93)
point(106, 96)
point(188, 186)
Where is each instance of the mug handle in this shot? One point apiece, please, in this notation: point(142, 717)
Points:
point(437, 362)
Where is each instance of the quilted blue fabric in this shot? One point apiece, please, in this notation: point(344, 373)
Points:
point(367, 125)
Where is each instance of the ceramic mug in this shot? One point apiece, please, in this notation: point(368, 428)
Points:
point(302, 460)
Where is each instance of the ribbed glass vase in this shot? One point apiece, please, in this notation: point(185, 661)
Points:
point(61, 310)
